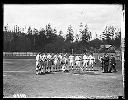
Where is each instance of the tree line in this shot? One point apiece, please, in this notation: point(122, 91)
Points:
point(47, 39)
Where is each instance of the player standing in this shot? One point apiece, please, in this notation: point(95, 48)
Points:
point(37, 63)
point(71, 61)
point(77, 62)
point(64, 63)
point(49, 61)
point(60, 60)
point(92, 61)
point(85, 60)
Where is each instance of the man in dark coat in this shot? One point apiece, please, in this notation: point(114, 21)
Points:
point(105, 63)
point(101, 61)
point(112, 64)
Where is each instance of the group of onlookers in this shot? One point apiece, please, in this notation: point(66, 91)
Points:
point(108, 63)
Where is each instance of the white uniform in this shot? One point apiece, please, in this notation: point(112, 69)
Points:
point(55, 61)
point(85, 60)
point(49, 56)
point(49, 62)
point(71, 61)
point(43, 57)
point(37, 59)
point(92, 60)
point(100, 58)
point(43, 62)
point(38, 64)
point(77, 59)
point(64, 67)
point(60, 58)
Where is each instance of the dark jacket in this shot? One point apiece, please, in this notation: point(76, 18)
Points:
point(106, 60)
point(112, 61)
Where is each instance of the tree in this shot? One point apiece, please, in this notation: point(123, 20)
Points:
point(29, 31)
point(117, 41)
point(41, 40)
point(108, 34)
point(60, 33)
point(85, 37)
point(95, 43)
point(50, 33)
point(69, 35)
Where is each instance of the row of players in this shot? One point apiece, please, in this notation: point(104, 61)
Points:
point(63, 62)
point(55, 62)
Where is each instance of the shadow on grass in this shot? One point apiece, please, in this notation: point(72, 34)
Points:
point(89, 73)
point(85, 72)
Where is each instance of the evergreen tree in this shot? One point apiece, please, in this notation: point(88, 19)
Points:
point(69, 35)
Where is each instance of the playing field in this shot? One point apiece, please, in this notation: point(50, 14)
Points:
point(19, 78)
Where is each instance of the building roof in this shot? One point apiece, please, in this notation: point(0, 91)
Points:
point(106, 46)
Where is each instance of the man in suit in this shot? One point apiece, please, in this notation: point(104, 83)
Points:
point(106, 62)
point(112, 64)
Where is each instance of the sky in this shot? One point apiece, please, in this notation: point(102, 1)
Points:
point(60, 16)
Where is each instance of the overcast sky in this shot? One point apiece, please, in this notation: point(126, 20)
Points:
point(60, 16)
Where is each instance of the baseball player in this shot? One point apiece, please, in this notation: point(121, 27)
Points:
point(71, 61)
point(92, 61)
point(77, 61)
point(64, 63)
point(43, 62)
point(60, 60)
point(52, 62)
point(37, 63)
point(85, 60)
point(89, 62)
point(55, 62)
point(49, 62)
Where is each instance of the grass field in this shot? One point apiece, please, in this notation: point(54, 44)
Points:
point(19, 78)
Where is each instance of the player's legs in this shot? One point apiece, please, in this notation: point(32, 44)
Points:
point(64, 67)
point(92, 65)
point(84, 64)
point(71, 64)
point(37, 71)
point(89, 65)
point(78, 65)
point(54, 65)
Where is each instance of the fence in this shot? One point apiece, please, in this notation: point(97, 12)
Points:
point(96, 55)
point(19, 53)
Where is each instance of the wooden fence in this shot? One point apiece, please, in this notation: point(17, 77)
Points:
point(19, 53)
point(96, 55)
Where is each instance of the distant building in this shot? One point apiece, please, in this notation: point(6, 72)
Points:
point(107, 48)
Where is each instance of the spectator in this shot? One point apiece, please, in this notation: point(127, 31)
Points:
point(112, 64)
point(106, 62)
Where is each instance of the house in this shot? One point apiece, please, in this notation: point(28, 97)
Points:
point(108, 48)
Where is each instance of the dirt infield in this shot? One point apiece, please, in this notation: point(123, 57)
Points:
point(19, 78)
